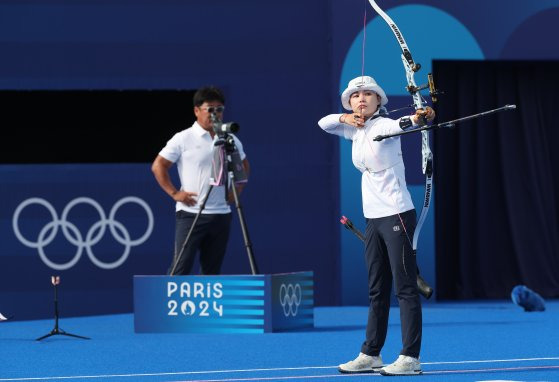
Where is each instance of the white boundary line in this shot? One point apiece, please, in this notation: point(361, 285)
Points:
point(518, 368)
point(298, 368)
point(464, 371)
point(492, 361)
point(367, 375)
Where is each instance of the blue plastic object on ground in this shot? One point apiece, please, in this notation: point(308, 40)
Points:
point(528, 299)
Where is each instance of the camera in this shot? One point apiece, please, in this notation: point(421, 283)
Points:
point(222, 129)
point(225, 128)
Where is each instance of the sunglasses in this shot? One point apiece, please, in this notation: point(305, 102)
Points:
point(213, 109)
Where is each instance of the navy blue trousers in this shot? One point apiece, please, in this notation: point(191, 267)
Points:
point(390, 259)
point(209, 238)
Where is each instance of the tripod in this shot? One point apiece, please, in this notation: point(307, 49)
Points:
point(230, 166)
point(55, 281)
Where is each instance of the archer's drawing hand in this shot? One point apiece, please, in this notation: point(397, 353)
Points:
point(185, 197)
point(354, 119)
point(424, 116)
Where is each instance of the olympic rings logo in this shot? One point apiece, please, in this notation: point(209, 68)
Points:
point(290, 298)
point(75, 237)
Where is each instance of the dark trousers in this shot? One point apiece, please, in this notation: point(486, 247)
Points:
point(209, 238)
point(389, 257)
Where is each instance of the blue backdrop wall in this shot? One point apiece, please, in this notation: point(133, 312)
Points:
point(282, 66)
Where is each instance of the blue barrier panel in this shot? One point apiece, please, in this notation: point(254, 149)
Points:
point(223, 304)
point(292, 301)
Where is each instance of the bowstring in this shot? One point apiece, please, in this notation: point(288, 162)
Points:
point(364, 40)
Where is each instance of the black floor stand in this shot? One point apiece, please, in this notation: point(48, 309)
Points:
point(57, 330)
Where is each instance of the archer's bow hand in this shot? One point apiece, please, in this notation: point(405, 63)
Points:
point(423, 116)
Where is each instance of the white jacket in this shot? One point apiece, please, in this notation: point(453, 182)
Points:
point(368, 155)
point(383, 183)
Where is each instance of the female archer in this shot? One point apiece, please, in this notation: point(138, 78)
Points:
point(391, 220)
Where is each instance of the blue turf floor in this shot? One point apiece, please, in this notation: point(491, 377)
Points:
point(486, 341)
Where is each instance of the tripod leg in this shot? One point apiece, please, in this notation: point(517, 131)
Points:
point(74, 335)
point(45, 336)
point(248, 244)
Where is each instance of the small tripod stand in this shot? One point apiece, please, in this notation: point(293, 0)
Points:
point(55, 280)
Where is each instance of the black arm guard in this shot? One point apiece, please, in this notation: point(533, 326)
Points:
point(405, 123)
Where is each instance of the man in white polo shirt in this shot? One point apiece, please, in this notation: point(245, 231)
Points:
point(192, 150)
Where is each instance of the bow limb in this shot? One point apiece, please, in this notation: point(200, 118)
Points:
point(399, 36)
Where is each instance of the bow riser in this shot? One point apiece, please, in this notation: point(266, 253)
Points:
point(419, 103)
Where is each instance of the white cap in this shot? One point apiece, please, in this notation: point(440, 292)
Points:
point(362, 83)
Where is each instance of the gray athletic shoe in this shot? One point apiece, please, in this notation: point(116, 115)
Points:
point(404, 365)
point(362, 364)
